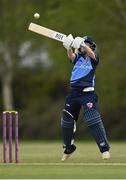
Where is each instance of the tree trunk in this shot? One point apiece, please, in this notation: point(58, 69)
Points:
point(6, 73)
point(7, 91)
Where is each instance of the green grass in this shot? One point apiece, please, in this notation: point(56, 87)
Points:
point(51, 152)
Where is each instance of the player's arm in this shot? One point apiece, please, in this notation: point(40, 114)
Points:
point(89, 51)
point(67, 44)
point(71, 54)
point(94, 56)
point(78, 42)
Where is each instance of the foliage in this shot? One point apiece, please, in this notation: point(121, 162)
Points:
point(38, 91)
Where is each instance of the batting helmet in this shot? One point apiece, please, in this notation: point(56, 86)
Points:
point(88, 39)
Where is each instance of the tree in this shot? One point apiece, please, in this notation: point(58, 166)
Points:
point(14, 16)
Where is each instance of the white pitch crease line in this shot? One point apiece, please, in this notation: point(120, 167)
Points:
point(65, 164)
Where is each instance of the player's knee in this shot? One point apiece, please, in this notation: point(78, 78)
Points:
point(67, 119)
point(92, 116)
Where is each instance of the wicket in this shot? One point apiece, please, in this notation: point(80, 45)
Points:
point(10, 116)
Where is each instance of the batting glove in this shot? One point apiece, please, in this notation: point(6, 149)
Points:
point(68, 41)
point(78, 41)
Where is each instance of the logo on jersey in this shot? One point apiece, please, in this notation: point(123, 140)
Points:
point(89, 105)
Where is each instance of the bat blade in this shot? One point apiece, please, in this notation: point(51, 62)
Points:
point(46, 32)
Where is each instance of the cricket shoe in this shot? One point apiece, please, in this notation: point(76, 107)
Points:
point(68, 152)
point(106, 155)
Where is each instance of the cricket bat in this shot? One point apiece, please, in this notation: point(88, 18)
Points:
point(46, 32)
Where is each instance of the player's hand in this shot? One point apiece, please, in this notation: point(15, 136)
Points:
point(68, 41)
point(78, 41)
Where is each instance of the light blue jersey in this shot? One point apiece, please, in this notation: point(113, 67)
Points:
point(83, 73)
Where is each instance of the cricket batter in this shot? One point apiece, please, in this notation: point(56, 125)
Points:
point(82, 94)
